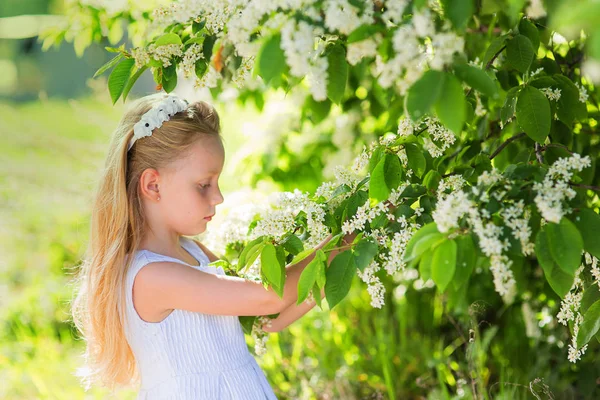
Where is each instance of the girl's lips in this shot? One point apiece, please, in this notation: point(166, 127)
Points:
point(208, 218)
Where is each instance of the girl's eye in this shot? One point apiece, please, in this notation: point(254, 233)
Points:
point(204, 186)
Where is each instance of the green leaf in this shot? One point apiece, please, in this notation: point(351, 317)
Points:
point(413, 191)
point(118, 78)
point(376, 156)
point(559, 280)
point(426, 243)
point(450, 106)
point(200, 67)
point(293, 244)
point(590, 325)
point(364, 252)
point(131, 81)
point(416, 159)
point(309, 277)
point(302, 255)
point(339, 278)
point(425, 265)
point(108, 65)
point(364, 32)
point(423, 94)
point(519, 53)
point(569, 107)
point(528, 29)
point(533, 113)
point(459, 12)
point(168, 38)
point(432, 180)
point(466, 256)
point(207, 47)
point(443, 264)
point(169, 79)
point(271, 268)
point(588, 223)
point(385, 177)
point(270, 61)
point(477, 79)
point(337, 73)
point(247, 321)
point(317, 295)
point(198, 26)
point(356, 200)
point(565, 244)
point(321, 271)
point(508, 109)
point(590, 296)
point(253, 247)
point(418, 235)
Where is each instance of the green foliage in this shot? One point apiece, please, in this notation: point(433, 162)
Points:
point(504, 121)
point(533, 113)
point(339, 277)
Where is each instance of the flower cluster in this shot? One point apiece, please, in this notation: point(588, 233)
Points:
point(551, 94)
point(416, 43)
point(374, 286)
point(516, 217)
point(593, 263)
point(188, 64)
point(280, 219)
point(303, 55)
point(554, 189)
point(163, 53)
point(259, 335)
point(460, 203)
point(368, 212)
point(440, 138)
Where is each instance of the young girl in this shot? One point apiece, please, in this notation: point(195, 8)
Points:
point(150, 308)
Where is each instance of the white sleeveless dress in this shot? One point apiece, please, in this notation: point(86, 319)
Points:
point(191, 355)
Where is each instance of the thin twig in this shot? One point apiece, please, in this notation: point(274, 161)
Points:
point(543, 148)
point(503, 145)
point(489, 63)
point(421, 131)
point(597, 188)
point(538, 153)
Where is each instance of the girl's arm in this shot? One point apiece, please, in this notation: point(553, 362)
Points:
point(163, 286)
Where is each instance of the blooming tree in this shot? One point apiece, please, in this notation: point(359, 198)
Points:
point(484, 117)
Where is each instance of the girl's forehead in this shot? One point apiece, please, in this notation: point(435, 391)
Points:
point(206, 156)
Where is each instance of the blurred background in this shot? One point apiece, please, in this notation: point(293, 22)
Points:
point(55, 125)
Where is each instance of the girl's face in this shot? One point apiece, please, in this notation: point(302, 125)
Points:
point(189, 191)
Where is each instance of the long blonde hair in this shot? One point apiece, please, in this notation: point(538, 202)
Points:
point(116, 227)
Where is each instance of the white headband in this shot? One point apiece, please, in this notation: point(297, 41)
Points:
point(155, 117)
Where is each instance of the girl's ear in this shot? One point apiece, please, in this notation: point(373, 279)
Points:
point(149, 180)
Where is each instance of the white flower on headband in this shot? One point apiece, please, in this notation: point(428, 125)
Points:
point(155, 117)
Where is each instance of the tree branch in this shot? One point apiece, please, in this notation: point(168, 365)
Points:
point(506, 143)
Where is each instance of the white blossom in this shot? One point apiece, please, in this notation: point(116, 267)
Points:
point(344, 17)
point(374, 286)
point(583, 94)
point(554, 189)
point(535, 9)
point(363, 49)
point(551, 94)
point(188, 64)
